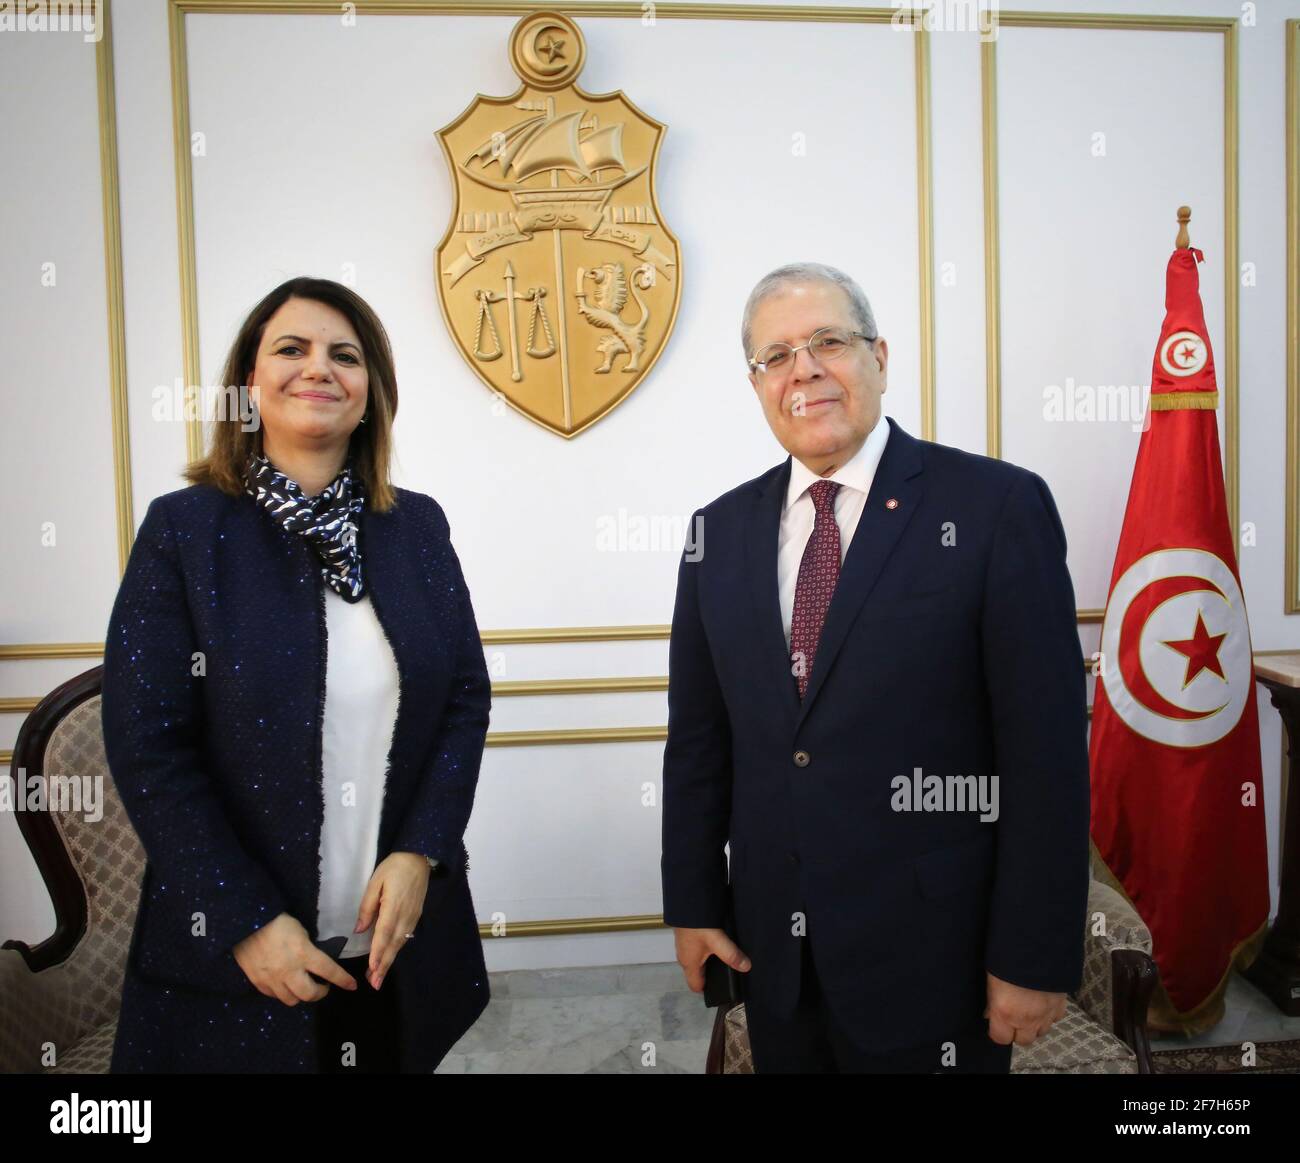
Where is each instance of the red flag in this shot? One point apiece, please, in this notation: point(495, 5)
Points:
point(1177, 801)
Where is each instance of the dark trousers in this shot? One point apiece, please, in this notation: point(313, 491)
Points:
point(366, 1017)
point(812, 1041)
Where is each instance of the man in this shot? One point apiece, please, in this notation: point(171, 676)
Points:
point(876, 696)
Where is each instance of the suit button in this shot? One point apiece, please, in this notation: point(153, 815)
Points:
point(802, 759)
point(794, 857)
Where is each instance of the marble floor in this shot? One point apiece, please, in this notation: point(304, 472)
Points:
point(620, 1019)
point(1249, 1016)
point(641, 1019)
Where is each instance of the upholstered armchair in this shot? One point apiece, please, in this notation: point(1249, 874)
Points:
point(59, 1000)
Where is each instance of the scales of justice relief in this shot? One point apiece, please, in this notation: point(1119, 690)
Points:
point(557, 276)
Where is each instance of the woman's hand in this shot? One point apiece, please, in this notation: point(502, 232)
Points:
point(277, 957)
point(396, 895)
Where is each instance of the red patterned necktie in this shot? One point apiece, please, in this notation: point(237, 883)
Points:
point(819, 570)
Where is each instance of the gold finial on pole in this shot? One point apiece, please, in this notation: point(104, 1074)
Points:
point(1184, 217)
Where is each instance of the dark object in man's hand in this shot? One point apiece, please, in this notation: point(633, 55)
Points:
point(720, 985)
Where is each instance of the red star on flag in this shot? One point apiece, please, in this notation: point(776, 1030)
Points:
point(1202, 651)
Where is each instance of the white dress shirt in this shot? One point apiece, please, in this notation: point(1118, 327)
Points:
point(361, 697)
point(799, 512)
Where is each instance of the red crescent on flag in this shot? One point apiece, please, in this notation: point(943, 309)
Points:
point(1143, 605)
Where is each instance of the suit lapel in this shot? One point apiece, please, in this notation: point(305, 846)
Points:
point(762, 536)
point(898, 477)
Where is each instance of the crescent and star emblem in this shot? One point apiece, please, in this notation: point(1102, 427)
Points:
point(1183, 353)
point(1176, 646)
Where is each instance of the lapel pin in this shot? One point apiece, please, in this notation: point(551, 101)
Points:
point(892, 503)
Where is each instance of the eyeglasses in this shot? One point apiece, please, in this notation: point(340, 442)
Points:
point(828, 343)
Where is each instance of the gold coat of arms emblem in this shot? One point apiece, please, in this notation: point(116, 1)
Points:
point(558, 277)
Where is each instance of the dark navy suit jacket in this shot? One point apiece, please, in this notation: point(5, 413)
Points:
point(218, 762)
point(950, 646)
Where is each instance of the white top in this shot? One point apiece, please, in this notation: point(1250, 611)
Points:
point(361, 695)
point(799, 513)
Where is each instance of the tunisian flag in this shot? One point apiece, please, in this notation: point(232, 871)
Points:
point(1177, 802)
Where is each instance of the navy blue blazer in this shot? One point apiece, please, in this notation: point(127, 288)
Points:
point(950, 646)
point(213, 697)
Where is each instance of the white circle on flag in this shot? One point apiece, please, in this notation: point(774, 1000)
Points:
point(1212, 705)
point(1183, 354)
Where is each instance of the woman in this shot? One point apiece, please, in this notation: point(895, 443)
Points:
point(295, 703)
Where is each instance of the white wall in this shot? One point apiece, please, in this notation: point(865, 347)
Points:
point(320, 152)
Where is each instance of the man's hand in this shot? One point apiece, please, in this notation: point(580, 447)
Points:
point(395, 895)
point(694, 947)
point(1020, 1015)
point(277, 957)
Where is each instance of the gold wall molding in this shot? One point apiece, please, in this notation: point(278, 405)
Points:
point(575, 926)
point(1291, 600)
point(925, 229)
point(1227, 27)
point(573, 634)
point(552, 738)
point(27, 651)
point(115, 294)
point(572, 686)
point(809, 14)
point(115, 312)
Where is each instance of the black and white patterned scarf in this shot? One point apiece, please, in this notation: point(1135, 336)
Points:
point(329, 521)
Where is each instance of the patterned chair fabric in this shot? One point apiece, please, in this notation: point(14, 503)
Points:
point(1112, 924)
point(62, 1019)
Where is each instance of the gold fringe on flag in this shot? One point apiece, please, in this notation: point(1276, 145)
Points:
point(1163, 1017)
point(1177, 401)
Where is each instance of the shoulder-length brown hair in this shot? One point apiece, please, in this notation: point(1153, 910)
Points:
point(371, 442)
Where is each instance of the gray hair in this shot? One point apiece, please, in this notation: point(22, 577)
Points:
point(805, 272)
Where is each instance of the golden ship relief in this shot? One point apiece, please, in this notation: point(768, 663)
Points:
point(557, 276)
